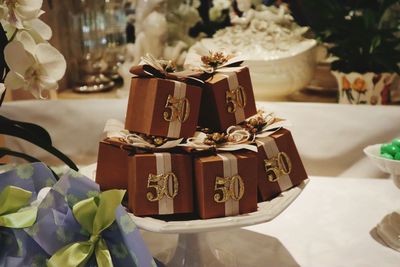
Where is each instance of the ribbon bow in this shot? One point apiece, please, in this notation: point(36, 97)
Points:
point(94, 215)
point(272, 123)
point(237, 136)
point(115, 131)
point(12, 212)
point(201, 59)
point(150, 66)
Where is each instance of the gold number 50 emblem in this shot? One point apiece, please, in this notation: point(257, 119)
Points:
point(177, 109)
point(278, 166)
point(164, 185)
point(235, 98)
point(228, 187)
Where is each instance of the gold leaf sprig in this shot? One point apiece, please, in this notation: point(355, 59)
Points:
point(167, 65)
point(151, 139)
point(256, 123)
point(215, 59)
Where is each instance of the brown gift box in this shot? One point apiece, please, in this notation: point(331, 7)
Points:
point(227, 100)
point(160, 183)
point(112, 166)
point(279, 164)
point(221, 175)
point(163, 107)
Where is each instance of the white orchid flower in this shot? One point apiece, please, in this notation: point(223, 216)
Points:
point(24, 14)
point(37, 67)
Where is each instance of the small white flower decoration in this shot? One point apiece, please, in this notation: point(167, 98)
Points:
point(37, 67)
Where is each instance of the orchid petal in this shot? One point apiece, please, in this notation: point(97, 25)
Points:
point(2, 88)
point(51, 60)
point(3, 11)
point(26, 12)
point(37, 4)
point(22, 61)
point(8, 28)
point(14, 81)
point(14, 20)
point(47, 83)
point(27, 41)
point(40, 27)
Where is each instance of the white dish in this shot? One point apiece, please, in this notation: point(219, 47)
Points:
point(389, 166)
point(276, 74)
point(190, 245)
point(266, 211)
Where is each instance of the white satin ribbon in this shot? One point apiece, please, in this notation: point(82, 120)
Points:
point(273, 124)
point(239, 140)
point(193, 61)
point(174, 127)
point(230, 169)
point(271, 150)
point(163, 163)
point(149, 59)
point(233, 84)
point(115, 129)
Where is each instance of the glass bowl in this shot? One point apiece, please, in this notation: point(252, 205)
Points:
point(389, 166)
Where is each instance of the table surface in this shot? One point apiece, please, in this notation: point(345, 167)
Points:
point(330, 224)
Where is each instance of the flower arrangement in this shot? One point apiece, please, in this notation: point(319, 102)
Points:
point(219, 10)
point(181, 17)
point(28, 62)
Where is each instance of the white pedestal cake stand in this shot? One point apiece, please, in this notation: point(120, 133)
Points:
point(193, 250)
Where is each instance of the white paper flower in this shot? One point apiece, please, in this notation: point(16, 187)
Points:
point(24, 14)
point(37, 67)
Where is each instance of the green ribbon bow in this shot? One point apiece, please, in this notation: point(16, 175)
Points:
point(94, 215)
point(12, 200)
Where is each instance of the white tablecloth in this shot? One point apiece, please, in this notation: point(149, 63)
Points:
point(332, 223)
point(329, 224)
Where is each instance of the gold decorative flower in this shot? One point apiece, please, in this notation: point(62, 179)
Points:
point(215, 59)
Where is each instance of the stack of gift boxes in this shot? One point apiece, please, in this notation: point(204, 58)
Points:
point(209, 184)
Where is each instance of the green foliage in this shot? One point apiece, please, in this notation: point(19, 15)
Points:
point(364, 33)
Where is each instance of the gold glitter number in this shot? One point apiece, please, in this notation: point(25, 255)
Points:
point(164, 185)
point(228, 187)
point(236, 98)
point(177, 109)
point(277, 166)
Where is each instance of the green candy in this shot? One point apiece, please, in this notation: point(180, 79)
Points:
point(384, 148)
point(390, 149)
point(397, 156)
point(396, 142)
point(386, 156)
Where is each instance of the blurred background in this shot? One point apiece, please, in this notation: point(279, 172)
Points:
point(291, 47)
